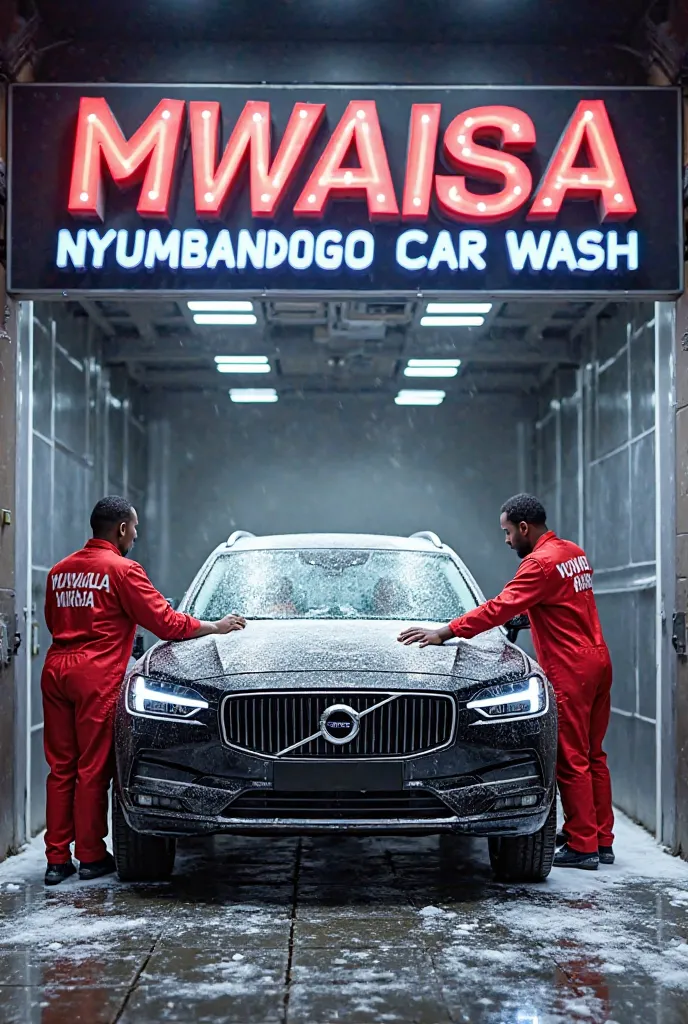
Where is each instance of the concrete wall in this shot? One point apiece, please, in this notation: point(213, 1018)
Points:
point(86, 439)
point(327, 465)
point(596, 473)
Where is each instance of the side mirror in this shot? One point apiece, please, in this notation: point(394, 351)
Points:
point(173, 602)
point(138, 650)
point(514, 626)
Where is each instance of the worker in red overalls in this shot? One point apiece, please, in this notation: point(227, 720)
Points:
point(94, 601)
point(554, 586)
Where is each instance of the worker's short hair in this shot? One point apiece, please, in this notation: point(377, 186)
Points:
point(525, 508)
point(109, 512)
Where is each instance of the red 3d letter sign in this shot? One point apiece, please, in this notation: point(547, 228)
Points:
point(604, 179)
point(360, 128)
point(420, 161)
point(353, 164)
point(151, 154)
point(510, 127)
point(213, 184)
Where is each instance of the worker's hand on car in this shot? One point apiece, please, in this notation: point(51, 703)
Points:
point(230, 623)
point(423, 637)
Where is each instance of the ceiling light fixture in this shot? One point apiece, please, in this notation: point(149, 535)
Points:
point(243, 365)
point(452, 321)
point(246, 395)
point(241, 359)
point(420, 397)
point(430, 371)
point(458, 307)
point(435, 362)
point(225, 319)
point(244, 368)
point(221, 306)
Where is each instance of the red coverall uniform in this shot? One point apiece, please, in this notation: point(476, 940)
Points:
point(95, 598)
point(554, 585)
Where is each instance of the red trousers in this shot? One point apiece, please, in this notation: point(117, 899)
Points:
point(78, 710)
point(584, 704)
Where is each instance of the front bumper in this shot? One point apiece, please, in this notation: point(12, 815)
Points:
point(184, 823)
point(179, 778)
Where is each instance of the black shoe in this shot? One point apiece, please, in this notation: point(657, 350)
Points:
point(562, 838)
point(606, 854)
point(106, 866)
point(56, 873)
point(568, 858)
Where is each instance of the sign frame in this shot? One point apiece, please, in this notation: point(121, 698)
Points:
point(358, 90)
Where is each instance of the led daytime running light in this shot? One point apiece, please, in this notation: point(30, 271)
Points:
point(531, 695)
point(143, 690)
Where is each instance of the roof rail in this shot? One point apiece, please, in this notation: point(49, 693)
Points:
point(427, 535)
point(237, 535)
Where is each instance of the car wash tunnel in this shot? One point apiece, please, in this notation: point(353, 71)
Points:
point(315, 293)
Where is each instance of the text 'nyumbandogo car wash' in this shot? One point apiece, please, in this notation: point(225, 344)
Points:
point(501, 190)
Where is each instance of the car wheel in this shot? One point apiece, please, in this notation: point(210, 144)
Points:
point(139, 858)
point(525, 858)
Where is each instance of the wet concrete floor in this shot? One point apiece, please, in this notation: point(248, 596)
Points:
point(348, 931)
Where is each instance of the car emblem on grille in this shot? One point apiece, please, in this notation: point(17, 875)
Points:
point(339, 724)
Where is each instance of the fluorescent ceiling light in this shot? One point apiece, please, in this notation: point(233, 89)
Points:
point(435, 362)
point(244, 368)
point(430, 371)
point(458, 307)
point(221, 306)
point(420, 397)
point(226, 319)
point(451, 321)
point(253, 395)
point(241, 359)
point(242, 364)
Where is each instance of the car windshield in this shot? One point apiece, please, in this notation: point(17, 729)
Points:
point(334, 583)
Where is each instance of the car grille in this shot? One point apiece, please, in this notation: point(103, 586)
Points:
point(271, 723)
point(338, 806)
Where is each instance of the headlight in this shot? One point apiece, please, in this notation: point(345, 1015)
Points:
point(157, 699)
point(512, 700)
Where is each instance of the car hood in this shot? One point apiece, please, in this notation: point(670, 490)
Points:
point(287, 646)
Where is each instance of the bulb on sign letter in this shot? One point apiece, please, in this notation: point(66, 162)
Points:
point(604, 177)
point(150, 154)
point(510, 127)
point(360, 128)
point(420, 162)
point(269, 182)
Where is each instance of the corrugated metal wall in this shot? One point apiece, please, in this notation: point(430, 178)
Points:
point(595, 445)
point(87, 439)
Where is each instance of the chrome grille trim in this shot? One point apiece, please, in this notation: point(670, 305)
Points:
point(413, 723)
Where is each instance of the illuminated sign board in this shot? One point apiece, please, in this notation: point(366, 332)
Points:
point(318, 189)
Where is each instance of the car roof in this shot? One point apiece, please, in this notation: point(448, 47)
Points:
point(357, 541)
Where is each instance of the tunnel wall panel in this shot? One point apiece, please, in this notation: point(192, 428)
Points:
point(642, 534)
point(618, 617)
point(608, 456)
point(74, 456)
point(609, 519)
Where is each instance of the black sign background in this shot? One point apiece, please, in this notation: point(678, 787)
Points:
point(646, 123)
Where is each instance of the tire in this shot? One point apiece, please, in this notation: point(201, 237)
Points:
point(525, 858)
point(140, 858)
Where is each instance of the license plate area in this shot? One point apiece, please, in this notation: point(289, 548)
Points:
point(354, 776)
